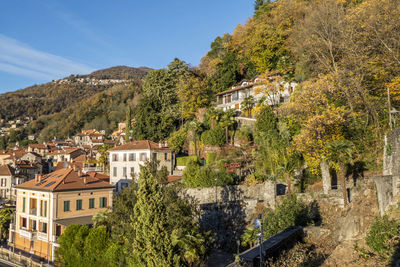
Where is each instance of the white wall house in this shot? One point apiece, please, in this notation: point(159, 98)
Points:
point(274, 92)
point(125, 160)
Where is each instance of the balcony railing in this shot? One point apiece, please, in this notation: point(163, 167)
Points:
point(27, 234)
point(33, 211)
point(42, 236)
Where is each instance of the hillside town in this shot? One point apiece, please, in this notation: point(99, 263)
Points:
point(279, 147)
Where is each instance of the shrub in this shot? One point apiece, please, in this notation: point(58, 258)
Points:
point(184, 161)
point(214, 137)
point(292, 211)
point(381, 236)
point(211, 157)
point(177, 140)
point(195, 175)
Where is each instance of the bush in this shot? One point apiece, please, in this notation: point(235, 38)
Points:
point(214, 137)
point(177, 140)
point(195, 175)
point(292, 211)
point(380, 237)
point(211, 157)
point(184, 161)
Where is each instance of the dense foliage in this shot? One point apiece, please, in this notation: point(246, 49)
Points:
point(383, 236)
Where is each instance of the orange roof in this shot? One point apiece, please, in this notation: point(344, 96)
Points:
point(38, 146)
point(142, 144)
point(235, 89)
point(100, 176)
point(6, 170)
point(172, 178)
point(64, 180)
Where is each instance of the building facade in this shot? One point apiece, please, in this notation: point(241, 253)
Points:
point(46, 205)
point(125, 160)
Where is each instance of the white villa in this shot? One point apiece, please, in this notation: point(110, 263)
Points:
point(274, 92)
point(125, 160)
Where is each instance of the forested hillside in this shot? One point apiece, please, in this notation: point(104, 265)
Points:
point(53, 97)
point(344, 54)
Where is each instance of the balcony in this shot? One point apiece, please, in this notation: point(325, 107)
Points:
point(33, 211)
point(27, 234)
point(42, 236)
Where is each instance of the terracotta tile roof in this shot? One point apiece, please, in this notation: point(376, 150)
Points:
point(172, 178)
point(80, 158)
point(141, 144)
point(100, 176)
point(64, 165)
point(235, 89)
point(6, 170)
point(64, 180)
point(38, 146)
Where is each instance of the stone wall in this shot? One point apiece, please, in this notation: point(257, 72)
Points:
point(391, 158)
point(384, 188)
point(260, 193)
point(227, 210)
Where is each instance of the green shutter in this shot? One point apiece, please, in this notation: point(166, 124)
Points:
point(66, 205)
point(91, 203)
point(23, 204)
point(45, 208)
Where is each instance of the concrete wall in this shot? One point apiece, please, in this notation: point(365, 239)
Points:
point(384, 188)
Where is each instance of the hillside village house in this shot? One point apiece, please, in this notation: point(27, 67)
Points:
point(274, 92)
point(125, 160)
point(89, 138)
point(6, 180)
point(47, 204)
point(42, 149)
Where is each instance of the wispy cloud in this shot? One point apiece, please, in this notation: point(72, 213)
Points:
point(21, 59)
point(62, 13)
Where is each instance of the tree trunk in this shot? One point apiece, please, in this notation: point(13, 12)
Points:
point(342, 177)
point(194, 142)
point(326, 177)
point(226, 135)
point(212, 123)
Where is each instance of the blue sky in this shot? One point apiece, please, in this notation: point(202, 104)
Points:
point(42, 40)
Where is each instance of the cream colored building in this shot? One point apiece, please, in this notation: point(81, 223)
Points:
point(47, 204)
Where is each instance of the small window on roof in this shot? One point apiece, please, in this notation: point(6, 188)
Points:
point(47, 185)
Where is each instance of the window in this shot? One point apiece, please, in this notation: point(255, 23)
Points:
point(23, 204)
point(78, 204)
point(132, 171)
point(165, 156)
point(143, 156)
point(23, 222)
point(91, 203)
point(115, 171)
point(66, 205)
point(103, 202)
point(115, 157)
point(124, 157)
point(132, 157)
point(154, 156)
point(124, 171)
point(43, 229)
point(33, 224)
point(41, 207)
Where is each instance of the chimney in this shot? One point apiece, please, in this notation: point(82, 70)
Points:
point(36, 177)
point(79, 173)
point(75, 168)
point(84, 180)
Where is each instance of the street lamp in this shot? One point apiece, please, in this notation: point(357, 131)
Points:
point(258, 225)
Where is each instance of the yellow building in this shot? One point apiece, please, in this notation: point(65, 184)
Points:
point(47, 204)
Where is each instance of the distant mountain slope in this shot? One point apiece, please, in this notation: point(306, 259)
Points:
point(120, 72)
point(53, 97)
